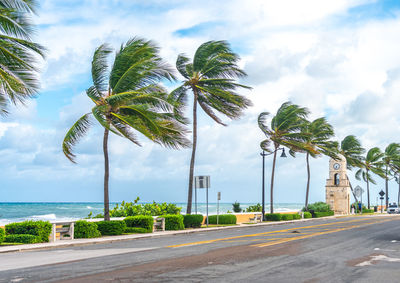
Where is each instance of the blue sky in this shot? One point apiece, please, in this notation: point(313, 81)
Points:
point(338, 58)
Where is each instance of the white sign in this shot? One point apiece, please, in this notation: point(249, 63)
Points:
point(358, 191)
point(202, 182)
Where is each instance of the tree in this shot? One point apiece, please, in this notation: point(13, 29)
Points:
point(211, 78)
point(316, 135)
point(371, 163)
point(391, 162)
point(127, 99)
point(351, 149)
point(284, 130)
point(18, 54)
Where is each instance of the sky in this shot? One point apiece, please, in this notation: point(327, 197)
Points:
point(340, 59)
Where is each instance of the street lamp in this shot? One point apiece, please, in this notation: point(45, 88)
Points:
point(263, 154)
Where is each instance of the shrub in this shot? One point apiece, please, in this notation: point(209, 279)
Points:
point(287, 217)
point(113, 227)
point(140, 221)
point(23, 239)
point(319, 207)
point(42, 229)
point(192, 220)
point(307, 214)
point(137, 230)
point(2, 234)
point(84, 229)
point(254, 208)
point(236, 207)
point(222, 219)
point(151, 209)
point(173, 222)
point(318, 214)
point(366, 210)
point(296, 216)
point(273, 217)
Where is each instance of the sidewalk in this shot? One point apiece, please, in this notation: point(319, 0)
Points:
point(110, 239)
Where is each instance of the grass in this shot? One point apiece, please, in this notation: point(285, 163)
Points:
point(9, 244)
point(215, 225)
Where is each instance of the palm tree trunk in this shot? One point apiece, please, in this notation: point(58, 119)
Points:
point(272, 181)
point(194, 143)
point(387, 188)
point(106, 176)
point(368, 189)
point(308, 180)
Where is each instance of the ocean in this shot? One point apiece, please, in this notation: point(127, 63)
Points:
point(64, 211)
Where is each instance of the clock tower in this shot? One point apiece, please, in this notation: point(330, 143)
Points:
point(338, 187)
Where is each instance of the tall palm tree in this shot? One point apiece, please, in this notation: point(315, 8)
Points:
point(371, 164)
point(211, 78)
point(128, 98)
point(284, 130)
point(18, 54)
point(391, 161)
point(317, 135)
point(350, 147)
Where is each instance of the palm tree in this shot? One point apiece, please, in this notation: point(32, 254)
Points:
point(317, 142)
point(18, 54)
point(351, 149)
point(211, 78)
point(391, 161)
point(128, 98)
point(285, 130)
point(371, 163)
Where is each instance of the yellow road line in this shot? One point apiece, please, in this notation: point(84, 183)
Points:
point(271, 232)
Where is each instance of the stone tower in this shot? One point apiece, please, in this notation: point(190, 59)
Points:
point(338, 187)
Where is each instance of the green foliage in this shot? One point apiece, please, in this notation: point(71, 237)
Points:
point(2, 234)
point(42, 229)
point(23, 238)
point(152, 209)
point(319, 207)
point(113, 227)
point(296, 216)
point(318, 214)
point(286, 217)
point(140, 221)
point(84, 229)
point(136, 230)
point(254, 208)
point(273, 217)
point(192, 220)
point(222, 219)
point(307, 214)
point(173, 222)
point(236, 207)
point(368, 211)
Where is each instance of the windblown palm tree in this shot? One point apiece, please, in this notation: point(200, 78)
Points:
point(211, 77)
point(391, 162)
point(371, 163)
point(18, 54)
point(351, 149)
point(317, 135)
point(128, 98)
point(285, 130)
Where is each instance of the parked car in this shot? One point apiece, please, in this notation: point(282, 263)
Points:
point(393, 208)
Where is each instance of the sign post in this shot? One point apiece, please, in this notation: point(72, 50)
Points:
point(358, 191)
point(203, 182)
point(218, 199)
point(382, 193)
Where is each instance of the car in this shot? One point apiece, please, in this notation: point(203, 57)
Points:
point(393, 208)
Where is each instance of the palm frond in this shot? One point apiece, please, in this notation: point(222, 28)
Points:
point(100, 68)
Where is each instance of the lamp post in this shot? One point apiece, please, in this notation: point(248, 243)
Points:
point(263, 154)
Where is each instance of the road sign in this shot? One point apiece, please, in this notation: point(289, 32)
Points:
point(219, 195)
point(358, 191)
point(381, 193)
point(202, 182)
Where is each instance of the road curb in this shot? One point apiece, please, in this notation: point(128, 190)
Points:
point(110, 239)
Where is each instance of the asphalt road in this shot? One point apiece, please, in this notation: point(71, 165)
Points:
point(351, 249)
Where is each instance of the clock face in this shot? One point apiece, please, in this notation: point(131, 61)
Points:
point(336, 166)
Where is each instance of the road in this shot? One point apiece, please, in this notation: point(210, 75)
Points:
point(350, 249)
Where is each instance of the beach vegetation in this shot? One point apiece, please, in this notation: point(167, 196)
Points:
point(254, 208)
point(319, 206)
point(222, 219)
point(2, 235)
point(152, 209)
point(273, 217)
point(173, 222)
point(42, 229)
point(129, 100)
point(192, 220)
point(211, 79)
point(23, 239)
point(236, 207)
point(318, 214)
point(85, 229)
point(136, 230)
point(111, 227)
point(140, 221)
point(307, 214)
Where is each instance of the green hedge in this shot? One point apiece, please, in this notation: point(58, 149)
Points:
point(113, 227)
point(296, 216)
point(140, 221)
point(307, 214)
point(173, 222)
point(136, 230)
point(42, 229)
point(286, 217)
point(273, 217)
point(23, 239)
point(323, 214)
point(84, 229)
point(192, 220)
point(222, 219)
point(366, 210)
point(2, 234)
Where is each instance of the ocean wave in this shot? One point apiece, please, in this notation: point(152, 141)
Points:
point(89, 207)
point(50, 216)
